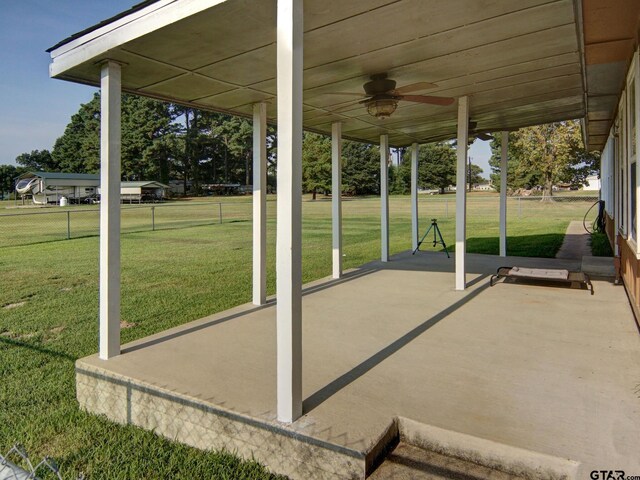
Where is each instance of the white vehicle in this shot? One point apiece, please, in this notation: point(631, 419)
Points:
point(50, 187)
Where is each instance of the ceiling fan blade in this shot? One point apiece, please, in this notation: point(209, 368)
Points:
point(414, 87)
point(351, 94)
point(484, 136)
point(428, 99)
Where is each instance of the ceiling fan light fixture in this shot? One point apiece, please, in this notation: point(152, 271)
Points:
point(382, 108)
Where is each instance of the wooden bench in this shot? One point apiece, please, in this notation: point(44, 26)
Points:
point(543, 275)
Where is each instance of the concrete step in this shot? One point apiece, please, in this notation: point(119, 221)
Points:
point(598, 266)
point(408, 462)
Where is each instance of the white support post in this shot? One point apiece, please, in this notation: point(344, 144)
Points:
point(289, 226)
point(260, 203)
point(110, 136)
point(503, 194)
point(461, 192)
point(336, 197)
point(384, 198)
point(414, 196)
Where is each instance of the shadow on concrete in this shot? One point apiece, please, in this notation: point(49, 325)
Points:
point(350, 276)
point(349, 377)
point(192, 329)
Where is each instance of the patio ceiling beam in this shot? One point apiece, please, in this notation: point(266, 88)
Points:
point(384, 198)
point(110, 145)
point(289, 219)
point(336, 197)
point(503, 194)
point(461, 192)
point(260, 203)
point(414, 196)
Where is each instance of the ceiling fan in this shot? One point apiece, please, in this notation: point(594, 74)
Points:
point(486, 135)
point(479, 135)
point(382, 96)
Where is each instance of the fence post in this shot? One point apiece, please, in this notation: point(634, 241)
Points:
point(220, 208)
point(153, 218)
point(68, 224)
point(519, 207)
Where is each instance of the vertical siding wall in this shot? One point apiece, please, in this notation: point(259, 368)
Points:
point(618, 169)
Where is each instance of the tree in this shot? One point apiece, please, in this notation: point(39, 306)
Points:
point(8, 173)
point(544, 155)
point(400, 178)
point(474, 175)
point(78, 149)
point(144, 122)
point(361, 168)
point(37, 160)
point(235, 134)
point(316, 163)
point(436, 166)
point(515, 177)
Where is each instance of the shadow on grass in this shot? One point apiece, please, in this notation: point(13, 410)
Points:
point(17, 343)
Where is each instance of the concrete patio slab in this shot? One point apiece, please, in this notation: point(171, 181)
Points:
point(544, 369)
point(599, 266)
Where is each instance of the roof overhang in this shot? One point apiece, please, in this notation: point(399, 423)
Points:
point(521, 63)
point(610, 40)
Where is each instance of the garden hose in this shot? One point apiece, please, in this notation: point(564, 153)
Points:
point(598, 224)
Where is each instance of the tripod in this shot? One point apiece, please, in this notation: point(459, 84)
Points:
point(436, 231)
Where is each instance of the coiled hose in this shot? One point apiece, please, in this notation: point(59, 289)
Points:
point(598, 225)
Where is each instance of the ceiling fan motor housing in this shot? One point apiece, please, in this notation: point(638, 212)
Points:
point(379, 84)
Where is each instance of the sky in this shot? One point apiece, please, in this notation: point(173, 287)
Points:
point(35, 109)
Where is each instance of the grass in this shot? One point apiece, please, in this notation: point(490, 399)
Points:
point(600, 246)
point(49, 311)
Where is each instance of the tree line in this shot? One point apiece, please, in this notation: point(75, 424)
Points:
point(163, 142)
point(542, 156)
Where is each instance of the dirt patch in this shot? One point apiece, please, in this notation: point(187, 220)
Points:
point(9, 306)
point(18, 336)
point(125, 324)
point(53, 333)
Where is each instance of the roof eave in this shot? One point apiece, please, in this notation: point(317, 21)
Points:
point(94, 43)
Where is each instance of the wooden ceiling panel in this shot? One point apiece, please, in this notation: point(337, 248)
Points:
point(228, 29)
point(245, 69)
point(606, 20)
point(609, 52)
point(190, 86)
point(234, 98)
point(509, 57)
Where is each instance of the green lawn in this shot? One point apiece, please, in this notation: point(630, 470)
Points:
point(49, 309)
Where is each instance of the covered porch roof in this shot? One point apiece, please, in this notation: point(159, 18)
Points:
point(521, 63)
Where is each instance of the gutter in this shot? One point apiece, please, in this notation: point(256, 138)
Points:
point(584, 122)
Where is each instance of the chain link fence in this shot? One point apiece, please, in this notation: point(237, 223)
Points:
point(50, 224)
point(444, 206)
point(38, 225)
